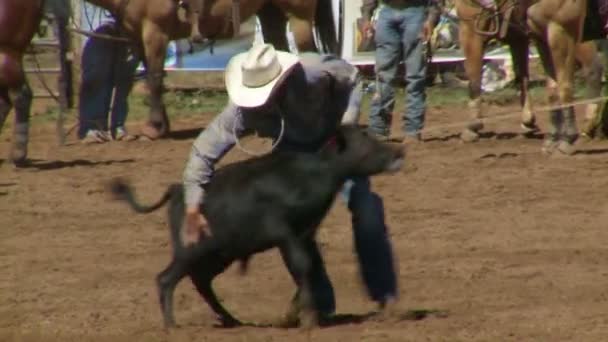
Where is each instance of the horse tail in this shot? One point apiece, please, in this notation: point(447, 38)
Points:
point(324, 22)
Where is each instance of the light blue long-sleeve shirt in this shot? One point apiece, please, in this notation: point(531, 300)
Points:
point(315, 98)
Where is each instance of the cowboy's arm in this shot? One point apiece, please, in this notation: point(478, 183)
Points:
point(345, 81)
point(208, 148)
point(347, 87)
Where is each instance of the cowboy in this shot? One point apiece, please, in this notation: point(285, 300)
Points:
point(299, 101)
point(402, 29)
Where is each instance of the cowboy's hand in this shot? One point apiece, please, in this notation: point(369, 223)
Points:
point(427, 31)
point(195, 226)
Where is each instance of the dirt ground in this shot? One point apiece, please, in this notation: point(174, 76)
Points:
point(495, 242)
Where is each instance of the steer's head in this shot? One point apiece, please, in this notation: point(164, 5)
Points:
point(355, 153)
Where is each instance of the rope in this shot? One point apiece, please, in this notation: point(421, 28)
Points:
point(509, 114)
point(272, 148)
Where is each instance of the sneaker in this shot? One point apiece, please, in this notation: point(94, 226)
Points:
point(121, 134)
point(95, 136)
point(379, 136)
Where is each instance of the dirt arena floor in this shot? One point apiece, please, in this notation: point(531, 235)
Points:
point(495, 242)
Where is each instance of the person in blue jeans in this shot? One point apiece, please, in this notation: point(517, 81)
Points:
point(299, 101)
point(402, 29)
point(107, 76)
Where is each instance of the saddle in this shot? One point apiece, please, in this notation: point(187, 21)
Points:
point(501, 20)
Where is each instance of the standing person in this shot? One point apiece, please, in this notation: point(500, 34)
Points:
point(299, 101)
point(107, 76)
point(402, 30)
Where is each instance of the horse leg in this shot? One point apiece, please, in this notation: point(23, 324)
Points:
point(563, 45)
point(155, 43)
point(5, 107)
point(519, 48)
point(273, 23)
point(593, 68)
point(472, 46)
point(21, 98)
point(555, 115)
point(195, 9)
point(302, 29)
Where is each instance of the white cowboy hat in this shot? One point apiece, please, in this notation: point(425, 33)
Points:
point(252, 76)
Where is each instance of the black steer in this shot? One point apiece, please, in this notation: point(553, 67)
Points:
point(277, 200)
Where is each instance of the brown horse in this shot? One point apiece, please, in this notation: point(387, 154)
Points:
point(558, 26)
point(151, 24)
point(19, 22)
point(478, 26)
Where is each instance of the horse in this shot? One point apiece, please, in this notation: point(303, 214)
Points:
point(19, 22)
point(557, 27)
point(151, 24)
point(508, 23)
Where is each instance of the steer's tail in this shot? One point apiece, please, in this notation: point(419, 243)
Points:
point(175, 192)
point(124, 192)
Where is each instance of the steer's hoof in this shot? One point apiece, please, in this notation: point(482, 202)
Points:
point(308, 320)
point(19, 156)
point(170, 324)
point(230, 322)
point(289, 320)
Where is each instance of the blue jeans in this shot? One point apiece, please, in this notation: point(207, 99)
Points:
point(398, 38)
point(107, 67)
point(373, 248)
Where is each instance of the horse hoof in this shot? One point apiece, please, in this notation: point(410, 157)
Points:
point(19, 157)
point(549, 146)
point(469, 136)
point(151, 132)
point(529, 128)
point(566, 148)
point(197, 38)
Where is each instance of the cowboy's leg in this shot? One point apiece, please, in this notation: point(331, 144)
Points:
point(95, 86)
point(415, 67)
point(388, 52)
point(372, 244)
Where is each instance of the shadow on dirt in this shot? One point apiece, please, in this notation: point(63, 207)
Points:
point(590, 152)
point(350, 319)
point(487, 135)
point(43, 165)
point(185, 134)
